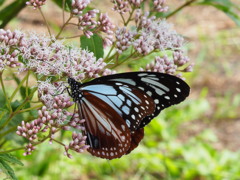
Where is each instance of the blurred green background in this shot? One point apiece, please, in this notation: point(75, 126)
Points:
point(196, 140)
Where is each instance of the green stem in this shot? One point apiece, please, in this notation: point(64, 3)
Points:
point(31, 108)
point(63, 8)
point(11, 150)
point(63, 26)
point(5, 94)
point(28, 73)
point(130, 17)
point(14, 128)
point(19, 107)
point(110, 51)
point(58, 142)
point(180, 8)
point(45, 20)
point(123, 61)
point(34, 144)
point(71, 37)
point(19, 86)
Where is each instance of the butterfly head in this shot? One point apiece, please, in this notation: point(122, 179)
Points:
point(75, 91)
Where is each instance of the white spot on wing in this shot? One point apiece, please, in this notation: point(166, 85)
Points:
point(155, 83)
point(167, 97)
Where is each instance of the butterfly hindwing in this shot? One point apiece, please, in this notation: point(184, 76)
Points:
point(107, 138)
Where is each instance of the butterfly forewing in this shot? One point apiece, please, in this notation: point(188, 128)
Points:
point(131, 103)
point(165, 90)
point(106, 131)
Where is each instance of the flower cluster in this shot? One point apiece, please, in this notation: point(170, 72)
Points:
point(48, 56)
point(163, 65)
point(159, 5)
point(11, 45)
point(77, 144)
point(79, 5)
point(76, 122)
point(36, 3)
point(50, 121)
point(124, 39)
point(156, 35)
point(88, 21)
point(121, 6)
point(106, 26)
point(168, 65)
point(47, 93)
point(135, 3)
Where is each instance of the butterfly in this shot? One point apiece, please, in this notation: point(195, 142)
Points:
point(117, 107)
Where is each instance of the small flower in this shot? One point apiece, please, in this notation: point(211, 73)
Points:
point(87, 22)
point(124, 39)
point(135, 3)
point(159, 5)
point(107, 27)
point(156, 35)
point(121, 6)
point(29, 148)
point(163, 65)
point(79, 5)
point(76, 122)
point(36, 3)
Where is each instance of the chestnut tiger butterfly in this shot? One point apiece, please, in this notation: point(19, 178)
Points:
point(117, 107)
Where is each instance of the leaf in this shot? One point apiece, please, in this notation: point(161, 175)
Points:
point(226, 6)
point(23, 89)
point(93, 44)
point(11, 11)
point(1, 2)
point(7, 170)
point(68, 4)
point(11, 159)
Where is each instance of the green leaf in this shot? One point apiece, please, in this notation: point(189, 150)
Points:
point(11, 159)
point(226, 6)
point(67, 6)
point(1, 2)
point(11, 11)
point(23, 89)
point(7, 170)
point(93, 44)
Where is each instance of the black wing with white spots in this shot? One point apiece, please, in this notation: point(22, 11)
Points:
point(164, 89)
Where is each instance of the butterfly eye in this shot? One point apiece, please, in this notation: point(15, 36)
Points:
point(117, 107)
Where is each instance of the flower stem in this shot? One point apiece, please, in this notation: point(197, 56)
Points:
point(5, 94)
point(17, 110)
point(31, 108)
point(19, 86)
point(130, 17)
point(45, 20)
point(180, 8)
point(63, 26)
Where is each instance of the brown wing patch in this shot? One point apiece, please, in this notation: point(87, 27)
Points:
point(106, 131)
